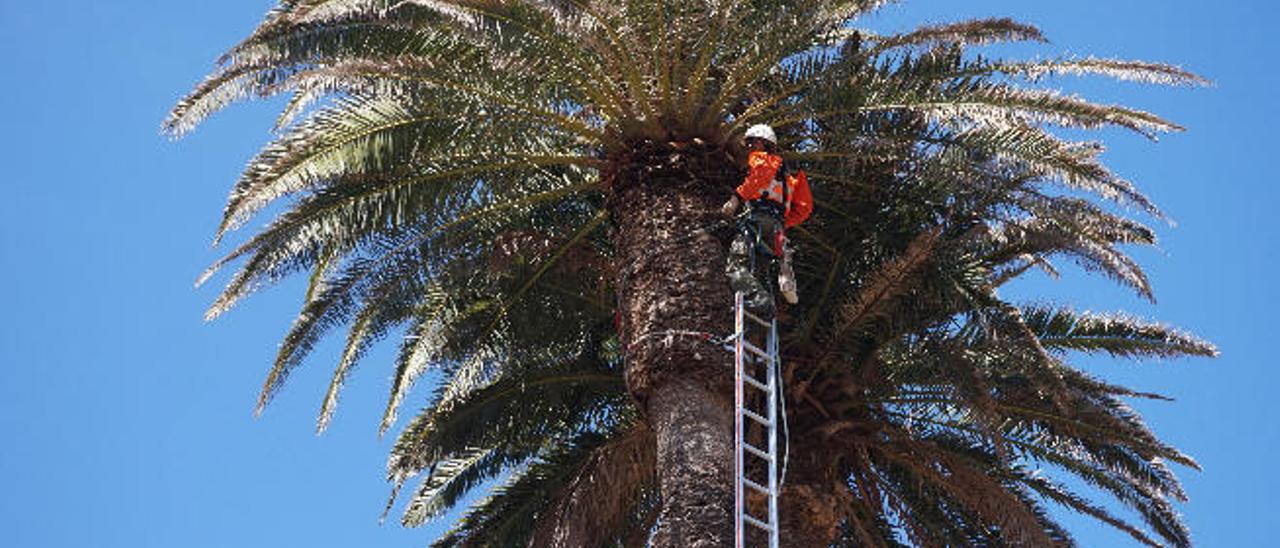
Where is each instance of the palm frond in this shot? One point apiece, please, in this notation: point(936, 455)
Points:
point(608, 486)
point(1118, 335)
point(974, 32)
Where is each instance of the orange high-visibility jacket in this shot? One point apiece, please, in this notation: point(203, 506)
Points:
point(762, 181)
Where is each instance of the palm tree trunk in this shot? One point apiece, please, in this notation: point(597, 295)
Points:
point(695, 466)
point(673, 299)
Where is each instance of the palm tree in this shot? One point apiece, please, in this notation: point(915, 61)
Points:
point(528, 191)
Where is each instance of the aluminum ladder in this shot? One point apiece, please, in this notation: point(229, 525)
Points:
point(747, 359)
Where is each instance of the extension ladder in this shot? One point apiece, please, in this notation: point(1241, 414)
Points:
point(747, 356)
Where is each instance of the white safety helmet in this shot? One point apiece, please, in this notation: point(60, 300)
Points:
point(762, 131)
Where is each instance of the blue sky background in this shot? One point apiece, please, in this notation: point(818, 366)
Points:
point(125, 420)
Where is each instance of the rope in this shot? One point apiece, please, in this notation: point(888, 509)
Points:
point(671, 334)
point(786, 428)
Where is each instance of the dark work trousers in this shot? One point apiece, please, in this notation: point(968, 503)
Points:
point(752, 252)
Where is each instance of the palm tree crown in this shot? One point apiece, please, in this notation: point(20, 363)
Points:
point(451, 170)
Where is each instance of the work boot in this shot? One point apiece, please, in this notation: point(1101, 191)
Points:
point(787, 279)
point(787, 285)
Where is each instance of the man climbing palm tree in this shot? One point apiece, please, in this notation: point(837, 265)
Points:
point(776, 200)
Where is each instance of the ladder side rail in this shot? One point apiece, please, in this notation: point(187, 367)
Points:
point(769, 355)
point(774, 370)
point(739, 501)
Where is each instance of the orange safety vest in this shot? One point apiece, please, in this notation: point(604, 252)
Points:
point(762, 182)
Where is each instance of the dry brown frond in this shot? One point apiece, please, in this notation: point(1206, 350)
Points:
point(607, 488)
point(888, 282)
point(970, 486)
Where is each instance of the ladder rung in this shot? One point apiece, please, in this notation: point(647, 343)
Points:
point(753, 382)
point(744, 336)
point(757, 523)
point(753, 416)
point(757, 319)
point(755, 360)
point(755, 486)
point(756, 350)
point(754, 451)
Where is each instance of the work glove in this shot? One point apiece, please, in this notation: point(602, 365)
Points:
point(730, 208)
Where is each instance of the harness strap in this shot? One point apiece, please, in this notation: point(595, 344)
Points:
point(786, 189)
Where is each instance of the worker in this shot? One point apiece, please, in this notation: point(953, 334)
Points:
point(776, 200)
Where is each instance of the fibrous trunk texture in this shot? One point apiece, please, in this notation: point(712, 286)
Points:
point(674, 303)
point(811, 498)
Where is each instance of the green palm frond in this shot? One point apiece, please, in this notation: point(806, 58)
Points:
point(1049, 158)
point(1132, 71)
point(536, 395)
point(975, 32)
point(510, 514)
point(1060, 495)
point(449, 479)
point(1118, 335)
point(1095, 437)
point(519, 417)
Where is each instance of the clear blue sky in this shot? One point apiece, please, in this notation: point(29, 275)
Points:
point(125, 419)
